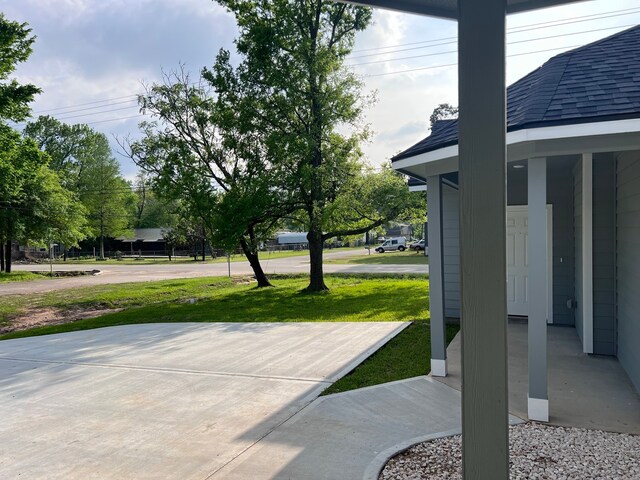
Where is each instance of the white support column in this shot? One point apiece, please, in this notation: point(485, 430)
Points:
point(482, 169)
point(538, 403)
point(436, 278)
point(587, 252)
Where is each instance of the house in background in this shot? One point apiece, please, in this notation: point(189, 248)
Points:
point(573, 207)
point(143, 240)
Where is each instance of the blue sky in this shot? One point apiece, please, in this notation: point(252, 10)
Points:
point(92, 56)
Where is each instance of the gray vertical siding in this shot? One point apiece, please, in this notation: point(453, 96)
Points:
point(604, 254)
point(451, 250)
point(577, 223)
point(628, 263)
point(560, 195)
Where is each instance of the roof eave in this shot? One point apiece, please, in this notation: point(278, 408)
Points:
point(449, 10)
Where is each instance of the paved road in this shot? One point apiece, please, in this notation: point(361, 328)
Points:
point(170, 401)
point(141, 273)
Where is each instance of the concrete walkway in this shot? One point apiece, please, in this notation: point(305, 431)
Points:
point(351, 435)
point(170, 401)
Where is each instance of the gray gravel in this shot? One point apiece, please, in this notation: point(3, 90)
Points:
point(536, 452)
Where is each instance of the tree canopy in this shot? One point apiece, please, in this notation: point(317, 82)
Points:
point(307, 102)
point(16, 45)
point(444, 111)
point(34, 206)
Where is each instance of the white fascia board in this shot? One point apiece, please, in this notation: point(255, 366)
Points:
point(574, 130)
point(517, 139)
point(427, 157)
point(418, 188)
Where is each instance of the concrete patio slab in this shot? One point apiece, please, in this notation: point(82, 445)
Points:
point(586, 391)
point(174, 401)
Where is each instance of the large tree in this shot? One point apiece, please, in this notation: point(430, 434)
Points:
point(108, 198)
point(202, 152)
point(84, 162)
point(293, 53)
point(72, 148)
point(34, 206)
point(27, 185)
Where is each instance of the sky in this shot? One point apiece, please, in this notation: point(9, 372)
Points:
point(92, 57)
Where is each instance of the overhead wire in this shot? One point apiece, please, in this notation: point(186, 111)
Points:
point(525, 28)
point(133, 97)
point(528, 27)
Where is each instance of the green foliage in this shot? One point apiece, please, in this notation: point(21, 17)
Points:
point(34, 207)
point(444, 111)
point(83, 160)
point(72, 148)
point(201, 154)
point(303, 99)
point(107, 197)
point(16, 46)
point(367, 201)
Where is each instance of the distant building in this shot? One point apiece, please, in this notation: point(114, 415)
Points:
point(143, 240)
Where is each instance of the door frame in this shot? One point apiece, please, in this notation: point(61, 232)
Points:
point(525, 208)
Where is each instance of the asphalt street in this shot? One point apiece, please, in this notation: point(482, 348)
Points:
point(114, 273)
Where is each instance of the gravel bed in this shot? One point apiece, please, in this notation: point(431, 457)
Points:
point(536, 452)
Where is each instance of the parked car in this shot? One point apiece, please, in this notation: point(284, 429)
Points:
point(393, 244)
point(419, 245)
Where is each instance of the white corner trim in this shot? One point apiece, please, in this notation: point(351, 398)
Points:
point(538, 409)
point(587, 252)
point(438, 368)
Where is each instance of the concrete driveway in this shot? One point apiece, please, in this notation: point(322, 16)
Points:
point(170, 401)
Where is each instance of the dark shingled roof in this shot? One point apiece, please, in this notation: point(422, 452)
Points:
point(595, 83)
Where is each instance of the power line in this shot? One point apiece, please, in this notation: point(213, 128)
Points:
point(582, 32)
point(456, 63)
point(98, 113)
point(88, 108)
point(523, 28)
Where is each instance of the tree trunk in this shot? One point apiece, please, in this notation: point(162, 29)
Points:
point(1, 256)
point(256, 266)
point(101, 247)
point(316, 274)
point(7, 257)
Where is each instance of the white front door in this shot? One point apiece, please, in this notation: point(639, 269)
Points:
point(518, 261)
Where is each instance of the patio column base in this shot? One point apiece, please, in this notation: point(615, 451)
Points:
point(538, 409)
point(438, 368)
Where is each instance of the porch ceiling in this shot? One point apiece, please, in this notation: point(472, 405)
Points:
point(449, 8)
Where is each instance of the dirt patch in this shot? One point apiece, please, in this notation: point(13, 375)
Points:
point(67, 273)
point(40, 317)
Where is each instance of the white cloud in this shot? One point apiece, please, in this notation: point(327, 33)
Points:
point(89, 50)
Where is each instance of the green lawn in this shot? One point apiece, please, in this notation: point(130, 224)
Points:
point(352, 298)
point(387, 258)
point(20, 276)
point(407, 355)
